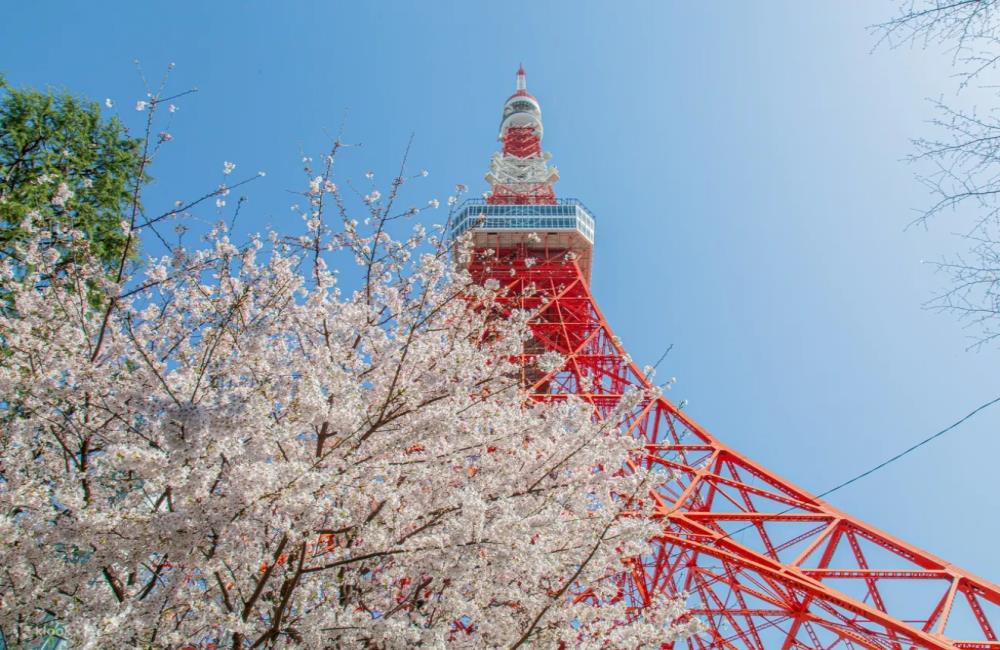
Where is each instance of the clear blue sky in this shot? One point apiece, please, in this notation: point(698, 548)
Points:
point(744, 163)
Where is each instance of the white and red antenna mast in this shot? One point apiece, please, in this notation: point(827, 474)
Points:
point(519, 174)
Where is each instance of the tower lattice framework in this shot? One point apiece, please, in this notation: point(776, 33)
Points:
point(765, 564)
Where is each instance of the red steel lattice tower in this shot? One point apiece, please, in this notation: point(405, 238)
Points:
point(765, 564)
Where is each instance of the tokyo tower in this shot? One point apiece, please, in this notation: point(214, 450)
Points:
point(766, 565)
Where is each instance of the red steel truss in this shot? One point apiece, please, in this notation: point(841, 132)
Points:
point(766, 565)
point(521, 141)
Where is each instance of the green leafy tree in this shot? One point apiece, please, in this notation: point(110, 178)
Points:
point(63, 164)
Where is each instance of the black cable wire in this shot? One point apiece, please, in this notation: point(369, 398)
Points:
point(913, 448)
point(663, 356)
point(860, 476)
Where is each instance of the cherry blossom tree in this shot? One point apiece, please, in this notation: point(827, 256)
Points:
point(237, 449)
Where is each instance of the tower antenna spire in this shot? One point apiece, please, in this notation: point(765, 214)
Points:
point(520, 174)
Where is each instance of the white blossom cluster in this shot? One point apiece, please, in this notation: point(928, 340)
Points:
point(230, 451)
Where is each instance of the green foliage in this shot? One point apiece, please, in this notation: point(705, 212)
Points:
point(49, 139)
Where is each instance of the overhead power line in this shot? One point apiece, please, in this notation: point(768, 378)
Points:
point(884, 463)
point(920, 444)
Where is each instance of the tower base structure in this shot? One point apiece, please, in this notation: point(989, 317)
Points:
point(764, 563)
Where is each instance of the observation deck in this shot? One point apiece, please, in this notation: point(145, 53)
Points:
point(550, 229)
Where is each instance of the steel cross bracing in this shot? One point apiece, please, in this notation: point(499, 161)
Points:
point(520, 174)
point(766, 565)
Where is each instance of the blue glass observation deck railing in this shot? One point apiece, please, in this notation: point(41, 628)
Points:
point(563, 215)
